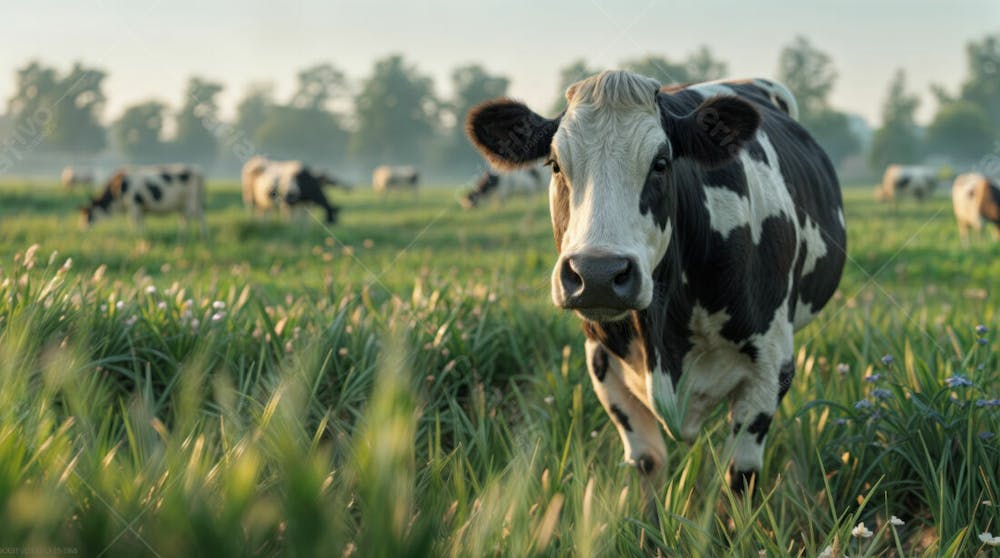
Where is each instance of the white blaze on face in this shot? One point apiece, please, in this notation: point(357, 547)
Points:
point(605, 145)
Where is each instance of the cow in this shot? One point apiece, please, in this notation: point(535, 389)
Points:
point(976, 199)
point(284, 185)
point(697, 229)
point(154, 189)
point(500, 186)
point(76, 176)
point(906, 180)
point(385, 178)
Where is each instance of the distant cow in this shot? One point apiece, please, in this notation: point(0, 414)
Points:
point(286, 184)
point(915, 181)
point(500, 186)
point(697, 228)
point(976, 199)
point(155, 189)
point(75, 176)
point(387, 178)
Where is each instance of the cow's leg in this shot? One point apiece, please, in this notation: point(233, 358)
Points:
point(135, 216)
point(963, 233)
point(754, 406)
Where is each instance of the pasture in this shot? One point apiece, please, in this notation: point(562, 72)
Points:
point(400, 385)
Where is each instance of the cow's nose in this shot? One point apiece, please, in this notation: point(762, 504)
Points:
point(599, 282)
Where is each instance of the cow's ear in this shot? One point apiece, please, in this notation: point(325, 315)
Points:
point(715, 131)
point(509, 134)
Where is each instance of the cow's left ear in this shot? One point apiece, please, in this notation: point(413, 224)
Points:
point(715, 131)
point(509, 134)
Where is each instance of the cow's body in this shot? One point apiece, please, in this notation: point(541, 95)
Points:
point(385, 178)
point(976, 200)
point(154, 189)
point(285, 185)
point(503, 185)
point(698, 228)
point(72, 177)
point(906, 180)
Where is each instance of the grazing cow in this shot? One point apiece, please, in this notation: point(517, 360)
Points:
point(286, 184)
point(899, 180)
point(151, 189)
point(697, 229)
point(976, 199)
point(500, 186)
point(75, 176)
point(386, 178)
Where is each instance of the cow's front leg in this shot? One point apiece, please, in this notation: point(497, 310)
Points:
point(753, 409)
point(638, 428)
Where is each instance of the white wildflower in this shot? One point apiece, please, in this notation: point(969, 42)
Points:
point(151, 289)
point(218, 305)
point(550, 399)
point(218, 316)
point(161, 305)
point(988, 538)
point(861, 532)
point(827, 553)
point(897, 522)
point(119, 305)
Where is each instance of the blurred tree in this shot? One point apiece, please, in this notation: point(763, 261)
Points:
point(809, 74)
point(396, 113)
point(961, 130)
point(570, 74)
point(897, 140)
point(658, 68)
point(982, 87)
point(472, 85)
point(139, 132)
point(702, 65)
point(253, 108)
point(77, 126)
point(195, 141)
point(318, 85)
point(312, 135)
point(65, 110)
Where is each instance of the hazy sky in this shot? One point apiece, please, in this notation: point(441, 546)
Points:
point(151, 48)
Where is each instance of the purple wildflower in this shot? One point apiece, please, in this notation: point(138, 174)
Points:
point(982, 341)
point(957, 381)
point(881, 394)
point(984, 436)
point(863, 404)
point(873, 378)
point(982, 330)
point(887, 360)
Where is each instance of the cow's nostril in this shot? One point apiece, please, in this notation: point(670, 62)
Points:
point(624, 277)
point(571, 281)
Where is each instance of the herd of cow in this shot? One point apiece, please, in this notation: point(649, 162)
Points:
point(267, 185)
point(698, 227)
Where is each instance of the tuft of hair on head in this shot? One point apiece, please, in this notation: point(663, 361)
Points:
point(615, 89)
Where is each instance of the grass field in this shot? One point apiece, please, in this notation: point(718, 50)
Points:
point(399, 385)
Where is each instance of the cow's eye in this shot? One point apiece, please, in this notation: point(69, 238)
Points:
point(555, 166)
point(660, 164)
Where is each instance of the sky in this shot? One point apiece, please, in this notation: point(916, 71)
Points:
point(151, 48)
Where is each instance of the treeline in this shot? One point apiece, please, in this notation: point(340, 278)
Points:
point(395, 115)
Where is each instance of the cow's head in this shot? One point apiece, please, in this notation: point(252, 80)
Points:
point(613, 189)
point(101, 207)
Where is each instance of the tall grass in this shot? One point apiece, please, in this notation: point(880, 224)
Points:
point(184, 413)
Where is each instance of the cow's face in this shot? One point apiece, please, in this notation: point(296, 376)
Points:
point(92, 213)
point(613, 191)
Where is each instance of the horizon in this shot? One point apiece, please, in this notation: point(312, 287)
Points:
point(261, 42)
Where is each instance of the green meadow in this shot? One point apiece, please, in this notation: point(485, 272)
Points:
point(399, 384)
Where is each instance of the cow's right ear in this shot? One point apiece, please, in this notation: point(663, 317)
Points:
point(509, 134)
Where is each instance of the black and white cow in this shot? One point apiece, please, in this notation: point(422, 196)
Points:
point(155, 189)
point(502, 185)
point(697, 229)
point(976, 200)
point(285, 185)
point(918, 182)
point(385, 178)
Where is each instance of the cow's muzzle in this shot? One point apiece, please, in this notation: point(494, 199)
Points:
point(599, 287)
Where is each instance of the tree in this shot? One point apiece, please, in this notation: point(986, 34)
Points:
point(64, 110)
point(570, 74)
point(195, 140)
point(139, 132)
point(982, 87)
point(809, 73)
point(396, 112)
point(658, 68)
point(253, 109)
point(313, 135)
point(702, 65)
point(961, 130)
point(472, 85)
point(897, 140)
point(318, 85)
